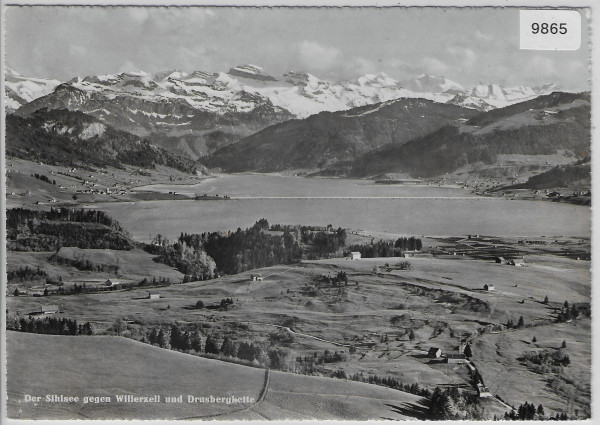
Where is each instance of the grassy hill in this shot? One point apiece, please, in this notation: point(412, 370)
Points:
point(106, 366)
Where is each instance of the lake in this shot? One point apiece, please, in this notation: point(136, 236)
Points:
point(357, 204)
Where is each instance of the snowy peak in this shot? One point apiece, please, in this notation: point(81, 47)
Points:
point(471, 102)
point(500, 96)
point(20, 90)
point(250, 71)
point(433, 84)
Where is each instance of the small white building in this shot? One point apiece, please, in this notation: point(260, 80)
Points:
point(153, 295)
point(434, 352)
point(256, 277)
point(354, 255)
point(488, 287)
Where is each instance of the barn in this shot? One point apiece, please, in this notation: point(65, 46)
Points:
point(456, 358)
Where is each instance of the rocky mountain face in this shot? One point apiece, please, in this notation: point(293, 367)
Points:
point(63, 137)
point(333, 138)
point(559, 122)
point(197, 113)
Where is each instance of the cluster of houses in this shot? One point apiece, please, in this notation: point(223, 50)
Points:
point(452, 358)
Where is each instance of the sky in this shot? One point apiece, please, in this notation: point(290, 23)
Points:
point(470, 45)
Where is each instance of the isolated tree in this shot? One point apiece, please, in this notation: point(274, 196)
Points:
point(153, 336)
point(16, 293)
point(411, 335)
point(211, 346)
point(163, 339)
point(545, 300)
point(521, 322)
point(534, 339)
point(564, 344)
point(46, 292)
point(199, 304)
point(540, 410)
point(468, 352)
point(228, 347)
point(566, 305)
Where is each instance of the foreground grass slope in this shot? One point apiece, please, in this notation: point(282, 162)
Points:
point(105, 366)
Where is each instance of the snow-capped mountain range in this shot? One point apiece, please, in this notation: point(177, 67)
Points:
point(203, 111)
point(21, 90)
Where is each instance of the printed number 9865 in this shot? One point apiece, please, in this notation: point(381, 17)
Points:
point(545, 28)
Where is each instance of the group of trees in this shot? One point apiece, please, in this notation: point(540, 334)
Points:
point(570, 312)
point(452, 404)
point(520, 324)
point(189, 258)
point(25, 274)
point(43, 178)
point(29, 230)
point(50, 326)
point(548, 358)
point(409, 244)
point(251, 248)
point(320, 244)
point(528, 412)
point(387, 248)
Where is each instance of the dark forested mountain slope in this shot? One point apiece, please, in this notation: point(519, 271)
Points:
point(543, 126)
point(69, 137)
point(328, 138)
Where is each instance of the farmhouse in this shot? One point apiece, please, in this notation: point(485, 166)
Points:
point(488, 287)
point(455, 358)
point(483, 391)
point(354, 255)
point(515, 262)
point(110, 283)
point(153, 295)
point(256, 277)
point(434, 352)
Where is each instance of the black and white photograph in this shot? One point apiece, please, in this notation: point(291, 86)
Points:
point(297, 213)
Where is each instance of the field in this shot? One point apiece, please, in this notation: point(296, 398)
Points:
point(369, 321)
point(109, 366)
point(379, 322)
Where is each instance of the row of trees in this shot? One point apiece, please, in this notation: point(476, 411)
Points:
point(176, 338)
point(387, 248)
point(49, 325)
point(528, 412)
point(81, 262)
